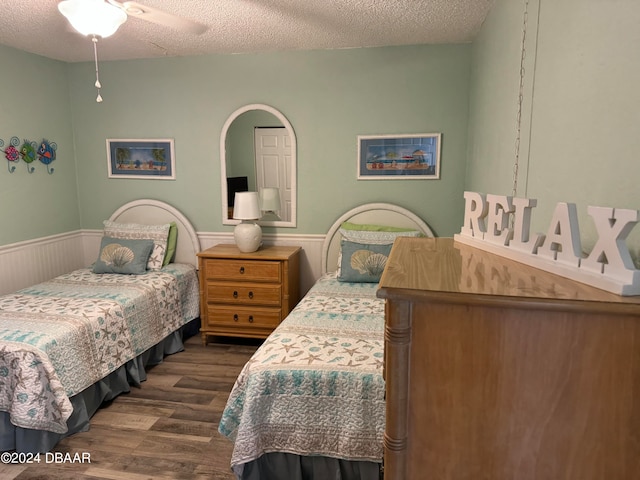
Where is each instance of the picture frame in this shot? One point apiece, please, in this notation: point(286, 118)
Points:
point(399, 157)
point(148, 159)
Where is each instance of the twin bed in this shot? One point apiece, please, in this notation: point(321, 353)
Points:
point(310, 402)
point(71, 343)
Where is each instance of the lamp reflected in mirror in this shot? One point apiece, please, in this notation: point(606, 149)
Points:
point(270, 203)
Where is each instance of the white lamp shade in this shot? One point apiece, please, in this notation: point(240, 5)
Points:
point(93, 17)
point(270, 199)
point(245, 206)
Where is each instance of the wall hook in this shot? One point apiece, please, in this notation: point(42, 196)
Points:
point(47, 153)
point(11, 153)
point(28, 154)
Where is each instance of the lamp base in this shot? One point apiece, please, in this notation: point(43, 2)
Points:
point(248, 236)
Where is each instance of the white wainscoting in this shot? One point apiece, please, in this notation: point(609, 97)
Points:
point(27, 263)
point(34, 261)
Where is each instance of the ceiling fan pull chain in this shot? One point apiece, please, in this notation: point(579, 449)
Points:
point(523, 52)
point(95, 55)
point(516, 162)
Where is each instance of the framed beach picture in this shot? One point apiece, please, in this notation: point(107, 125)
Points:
point(141, 158)
point(396, 157)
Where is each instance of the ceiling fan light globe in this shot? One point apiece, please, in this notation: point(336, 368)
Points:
point(93, 17)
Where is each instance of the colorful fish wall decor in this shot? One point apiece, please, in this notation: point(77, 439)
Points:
point(28, 152)
point(11, 153)
point(47, 153)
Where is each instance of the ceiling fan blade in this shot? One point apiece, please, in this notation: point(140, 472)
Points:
point(153, 15)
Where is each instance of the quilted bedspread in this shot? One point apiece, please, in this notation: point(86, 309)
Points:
point(315, 386)
point(59, 337)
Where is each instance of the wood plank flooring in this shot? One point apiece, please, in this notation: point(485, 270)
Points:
point(166, 429)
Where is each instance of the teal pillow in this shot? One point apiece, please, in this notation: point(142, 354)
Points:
point(361, 262)
point(172, 240)
point(121, 255)
point(136, 231)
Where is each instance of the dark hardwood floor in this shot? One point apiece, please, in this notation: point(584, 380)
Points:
point(167, 429)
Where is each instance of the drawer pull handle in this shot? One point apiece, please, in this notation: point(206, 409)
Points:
point(235, 317)
point(235, 294)
point(250, 294)
point(250, 318)
point(241, 269)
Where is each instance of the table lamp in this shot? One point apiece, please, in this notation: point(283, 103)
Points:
point(247, 234)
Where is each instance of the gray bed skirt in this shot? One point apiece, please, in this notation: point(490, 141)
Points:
point(287, 466)
point(86, 403)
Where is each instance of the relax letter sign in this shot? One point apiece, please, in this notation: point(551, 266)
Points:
point(609, 266)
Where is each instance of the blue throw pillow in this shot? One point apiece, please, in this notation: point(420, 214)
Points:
point(121, 255)
point(361, 262)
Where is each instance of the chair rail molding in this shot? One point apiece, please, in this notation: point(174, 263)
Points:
point(37, 260)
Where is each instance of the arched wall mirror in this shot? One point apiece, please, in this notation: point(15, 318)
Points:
point(258, 154)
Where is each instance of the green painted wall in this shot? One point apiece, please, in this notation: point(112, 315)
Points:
point(581, 107)
point(579, 141)
point(34, 104)
point(329, 97)
point(580, 115)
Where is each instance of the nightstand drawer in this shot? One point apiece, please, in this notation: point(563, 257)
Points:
point(243, 270)
point(243, 293)
point(223, 316)
point(247, 294)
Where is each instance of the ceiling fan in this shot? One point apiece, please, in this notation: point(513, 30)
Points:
point(160, 17)
point(102, 18)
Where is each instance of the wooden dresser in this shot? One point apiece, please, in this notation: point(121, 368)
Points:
point(247, 294)
point(496, 370)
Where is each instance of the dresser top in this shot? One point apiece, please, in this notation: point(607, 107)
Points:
point(269, 252)
point(443, 267)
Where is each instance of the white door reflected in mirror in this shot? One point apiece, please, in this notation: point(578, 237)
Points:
point(273, 162)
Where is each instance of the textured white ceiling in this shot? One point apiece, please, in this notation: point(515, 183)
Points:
point(243, 26)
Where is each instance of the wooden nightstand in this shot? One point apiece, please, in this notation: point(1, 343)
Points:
point(247, 294)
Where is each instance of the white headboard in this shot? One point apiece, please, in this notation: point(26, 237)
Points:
point(369, 213)
point(155, 212)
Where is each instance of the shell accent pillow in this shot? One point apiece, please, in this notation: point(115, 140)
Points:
point(121, 255)
point(136, 231)
point(361, 262)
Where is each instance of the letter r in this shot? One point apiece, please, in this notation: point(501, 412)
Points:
point(475, 209)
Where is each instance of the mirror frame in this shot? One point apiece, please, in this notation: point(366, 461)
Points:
point(223, 165)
